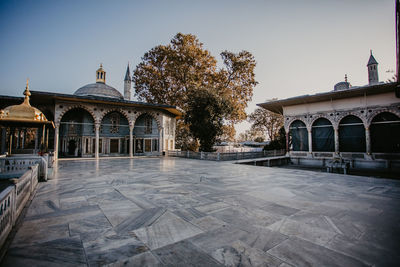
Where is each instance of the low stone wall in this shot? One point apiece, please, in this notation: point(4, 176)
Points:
point(385, 165)
point(217, 156)
point(16, 165)
point(14, 198)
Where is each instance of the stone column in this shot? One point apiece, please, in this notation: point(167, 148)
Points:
point(43, 134)
point(131, 141)
point(97, 129)
point(287, 142)
point(368, 141)
point(56, 138)
point(310, 141)
point(10, 141)
point(3, 139)
point(47, 139)
point(159, 140)
point(18, 137)
point(336, 141)
point(23, 139)
point(162, 139)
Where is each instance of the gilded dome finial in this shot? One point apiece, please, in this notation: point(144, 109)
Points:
point(27, 93)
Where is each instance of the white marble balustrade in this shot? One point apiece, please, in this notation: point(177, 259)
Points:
point(14, 198)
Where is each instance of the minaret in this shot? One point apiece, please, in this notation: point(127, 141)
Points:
point(372, 70)
point(100, 75)
point(127, 84)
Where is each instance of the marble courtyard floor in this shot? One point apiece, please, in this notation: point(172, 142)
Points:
point(182, 212)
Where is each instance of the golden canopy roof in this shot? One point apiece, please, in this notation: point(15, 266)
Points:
point(24, 112)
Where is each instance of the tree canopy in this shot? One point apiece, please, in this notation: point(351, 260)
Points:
point(205, 115)
point(168, 73)
point(266, 121)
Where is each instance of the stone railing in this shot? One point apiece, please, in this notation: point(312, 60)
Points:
point(218, 156)
point(14, 198)
point(16, 165)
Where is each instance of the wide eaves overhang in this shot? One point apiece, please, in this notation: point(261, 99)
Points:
point(176, 111)
point(276, 106)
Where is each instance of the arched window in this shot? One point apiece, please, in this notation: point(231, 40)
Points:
point(299, 136)
point(351, 134)
point(114, 119)
point(323, 135)
point(114, 124)
point(148, 123)
point(145, 126)
point(385, 133)
point(76, 121)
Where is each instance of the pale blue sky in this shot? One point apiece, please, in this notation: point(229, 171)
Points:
point(301, 47)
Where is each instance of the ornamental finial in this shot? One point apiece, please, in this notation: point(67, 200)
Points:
point(27, 93)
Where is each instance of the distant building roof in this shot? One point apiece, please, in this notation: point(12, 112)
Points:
point(277, 105)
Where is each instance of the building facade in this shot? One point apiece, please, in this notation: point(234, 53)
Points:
point(361, 124)
point(97, 120)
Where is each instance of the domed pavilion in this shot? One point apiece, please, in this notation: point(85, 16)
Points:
point(24, 127)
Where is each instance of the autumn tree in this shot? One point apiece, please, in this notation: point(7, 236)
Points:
point(167, 73)
point(228, 133)
point(266, 121)
point(252, 135)
point(204, 116)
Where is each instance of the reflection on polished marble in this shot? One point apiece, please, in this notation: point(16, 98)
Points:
point(182, 212)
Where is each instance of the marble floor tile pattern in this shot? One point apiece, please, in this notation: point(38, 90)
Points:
point(183, 212)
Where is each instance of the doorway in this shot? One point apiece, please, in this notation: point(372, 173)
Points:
point(71, 147)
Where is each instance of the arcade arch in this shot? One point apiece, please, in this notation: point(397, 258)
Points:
point(385, 132)
point(298, 136)
point(114, 133)
point(352, 134)
point(322, 135)
point(76, 127)
point(146, 134)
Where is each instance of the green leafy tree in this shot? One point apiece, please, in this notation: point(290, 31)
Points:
point(167, 73)
point(184, 139)
point(205, 116)
point(279, 142)
point(266, 121)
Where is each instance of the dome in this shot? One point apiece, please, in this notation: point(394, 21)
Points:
point(23, 112)
point(341, 86)
point(99, 89)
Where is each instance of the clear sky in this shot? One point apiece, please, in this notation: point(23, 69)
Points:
point(301, 47)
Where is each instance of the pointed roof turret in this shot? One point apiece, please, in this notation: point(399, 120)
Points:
point(100, 75)
point(372, 60)
point(128, 74)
